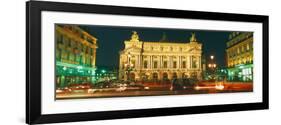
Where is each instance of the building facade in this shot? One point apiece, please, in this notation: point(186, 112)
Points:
point(75, 55)
point(239, 54)
point(159, 60)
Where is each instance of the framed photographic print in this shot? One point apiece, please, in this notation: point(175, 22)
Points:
point(95, 62)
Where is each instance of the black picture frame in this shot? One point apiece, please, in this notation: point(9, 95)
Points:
point(33, 61)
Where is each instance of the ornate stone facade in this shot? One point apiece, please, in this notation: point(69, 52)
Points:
point(160, 60)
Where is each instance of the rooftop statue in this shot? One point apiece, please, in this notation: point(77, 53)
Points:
point(135, 36)
point(193, 39)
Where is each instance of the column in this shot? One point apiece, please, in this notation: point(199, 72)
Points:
point(120, 67)
point(187, 62)
point(190, 62)
point(170, 62)
point(94, 58)
point(140, 62)
point(160, 62)
point(200, 65)
point(179, 62)
point(137, 62)
point(150, 60)
point(161, 59)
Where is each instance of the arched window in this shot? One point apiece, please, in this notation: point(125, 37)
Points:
point(145, 64)
point(155, 76)
point(175, 75)
point(132, 76)
point(194, 62)
point(165, 76)
point(155, 63)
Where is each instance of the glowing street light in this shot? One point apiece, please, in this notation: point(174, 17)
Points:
point(212, 65)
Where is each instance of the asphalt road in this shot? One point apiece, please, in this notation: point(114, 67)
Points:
point(203, 89)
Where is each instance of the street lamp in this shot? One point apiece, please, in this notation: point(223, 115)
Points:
point(212, 65)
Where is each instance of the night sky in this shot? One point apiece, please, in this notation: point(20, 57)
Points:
point(111, 41)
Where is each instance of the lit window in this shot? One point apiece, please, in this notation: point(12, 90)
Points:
point(175, 64)
point(165, 64)
point(248, 47)
point(155, 64)
point(194, 62)
point(183, 64)
point(145, 64)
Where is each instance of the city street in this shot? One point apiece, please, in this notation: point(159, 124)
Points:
point(144, 65)
point(154, 90)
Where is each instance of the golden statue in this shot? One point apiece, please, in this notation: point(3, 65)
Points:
point(135, 36)
point(193, 39)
